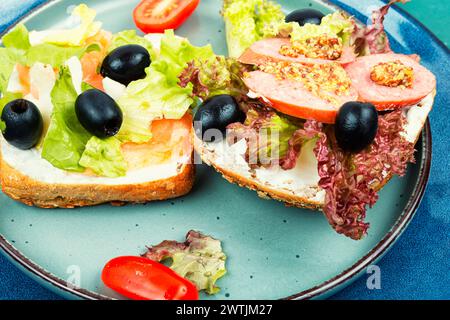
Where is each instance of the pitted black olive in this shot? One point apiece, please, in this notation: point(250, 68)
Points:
point(216, 113)
point(356, 126)
point(304, 16)
point(126, 64)
point(23, 124)
point(98, 113)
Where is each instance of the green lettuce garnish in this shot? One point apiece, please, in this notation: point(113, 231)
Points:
point(52, 54)
point(334, 25)
point(127, 37)
point(248, 21)
point(160, 95)
point(66, 138)
point(18, 38)
point(270, 133)
point(104, 157)
point(200, 259)
point(76, 36)
point(4, 100)
point(68, 146)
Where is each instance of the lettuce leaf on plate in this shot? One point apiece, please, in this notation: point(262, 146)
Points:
point(200, 259)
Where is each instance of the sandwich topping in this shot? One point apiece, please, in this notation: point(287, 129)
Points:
point(325, 81)
point(323, 46)
point(358, 149)
point(392, 74)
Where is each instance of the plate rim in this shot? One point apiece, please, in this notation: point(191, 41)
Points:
point(351, 273)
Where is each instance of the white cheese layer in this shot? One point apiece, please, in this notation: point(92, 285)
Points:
point(31, 164)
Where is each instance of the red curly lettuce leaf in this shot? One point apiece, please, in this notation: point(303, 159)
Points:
point(351, 181)
point(373, 39)
point(218, 75)
point(311, 129)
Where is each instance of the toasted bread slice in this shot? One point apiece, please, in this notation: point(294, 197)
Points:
point(297, 187)
point(28, 178)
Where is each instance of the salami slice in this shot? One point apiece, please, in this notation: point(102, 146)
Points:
point(389, 98)
point(292, 98)
point(268, 50)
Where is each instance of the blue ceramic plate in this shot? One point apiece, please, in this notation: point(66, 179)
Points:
point(274, 252)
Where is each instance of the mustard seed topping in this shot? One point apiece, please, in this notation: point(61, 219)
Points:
point(392, 74)
point(325, 81)
point(321, 47)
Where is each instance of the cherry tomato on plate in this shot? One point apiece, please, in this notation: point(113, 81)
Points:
point(144, 279)
point(156, 16)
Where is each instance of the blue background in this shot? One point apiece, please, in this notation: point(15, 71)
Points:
point(417, 267)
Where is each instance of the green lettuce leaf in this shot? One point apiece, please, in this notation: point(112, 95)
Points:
point(66, 138)
point(160, 95)
point(18, 38)
point(9, 57)
point(77, 36)
point(51, 54)
point(268, 134)
point(104, 157)
point(336, 24)
point(7, 98)
point(248, 21)
point(4, 100)
point(200, 259)
point(130, 37)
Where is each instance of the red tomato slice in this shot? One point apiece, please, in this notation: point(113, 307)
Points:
point(144, 279)
point(156, 16)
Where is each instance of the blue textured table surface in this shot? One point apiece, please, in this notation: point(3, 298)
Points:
point(417, 267)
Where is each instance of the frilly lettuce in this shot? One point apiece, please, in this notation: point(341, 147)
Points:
point(200, 259)
point(77, 36)
point(267, 134)
point(336, 24)
point(248, 21)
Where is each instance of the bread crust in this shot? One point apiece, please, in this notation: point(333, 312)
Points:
point(44, 195)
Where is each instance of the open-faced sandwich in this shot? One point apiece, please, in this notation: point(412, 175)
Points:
point(330, 112)
point(91, 117)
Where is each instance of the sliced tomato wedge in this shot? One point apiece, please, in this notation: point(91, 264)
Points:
point(144, 279)
point(156, 16)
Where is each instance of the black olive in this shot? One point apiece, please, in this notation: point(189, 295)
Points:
point(356, 126)
point(216, 113)
point(126, 64)
point(24, 124)
point(304, 16)
point(98, 113)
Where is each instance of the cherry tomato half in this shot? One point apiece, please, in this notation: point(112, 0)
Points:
point(144, 279)
point(156, 16)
